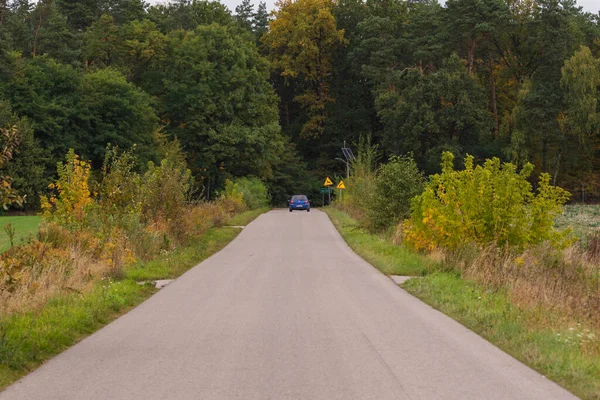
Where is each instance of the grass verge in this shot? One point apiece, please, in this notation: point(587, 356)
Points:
point(24, 227)
point(378, 250)
point(27, 340)
point(558, 347)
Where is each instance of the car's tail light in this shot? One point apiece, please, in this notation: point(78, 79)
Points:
point(306, 202)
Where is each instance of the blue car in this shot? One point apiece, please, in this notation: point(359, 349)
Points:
point(299, 202)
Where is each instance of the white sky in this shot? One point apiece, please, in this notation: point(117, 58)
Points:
point(592, 6)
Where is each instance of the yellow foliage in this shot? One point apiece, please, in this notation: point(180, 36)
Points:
point(73, 197)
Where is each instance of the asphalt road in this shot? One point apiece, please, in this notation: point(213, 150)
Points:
point(286, 311)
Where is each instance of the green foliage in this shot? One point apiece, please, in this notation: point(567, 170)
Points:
point(301, 41)
point(119, 191)
point(9, 140)
point(289, 175)
point(72, 199)
point(111, 110)
point(361, 184)
point(396, 183)
point(254, 192)
point(432, 113)
point(485, 204)
point(166, 187)
point(218, 102)
point(27, 165)
point(189, 14)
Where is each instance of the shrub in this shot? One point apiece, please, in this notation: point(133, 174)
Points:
point(119, 191)
point(361, 183)
point(487, 204)
point(232, 199)
point(396, 183)
point(166, 187)
point(68, 206)
point(254, 192)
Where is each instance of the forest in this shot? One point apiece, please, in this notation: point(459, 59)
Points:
point(274, 95)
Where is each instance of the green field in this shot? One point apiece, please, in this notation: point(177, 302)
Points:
point(25, 227)
point(583, 219)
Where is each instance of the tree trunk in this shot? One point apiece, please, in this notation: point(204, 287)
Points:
point(493, 90)
point(3, 11)
point(37, 32)
point(471, 55)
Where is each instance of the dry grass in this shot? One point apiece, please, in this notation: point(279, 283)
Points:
point(582, 219)
point(63, 261)
point(564, 281)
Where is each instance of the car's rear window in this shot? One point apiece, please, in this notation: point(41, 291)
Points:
point(299, 198)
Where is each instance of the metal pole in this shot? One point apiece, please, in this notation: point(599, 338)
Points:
point(347, 165)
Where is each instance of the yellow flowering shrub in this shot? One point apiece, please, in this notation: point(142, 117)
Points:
point(485, 204)
point(72, 197)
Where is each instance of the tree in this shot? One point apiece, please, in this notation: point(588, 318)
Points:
point(46, 93)
point(216, 99)
point(81, 13)
point(52, 35)
point(188, 14)
point(260, 20)
point(432, 113)
point(581, 116)
point(9, 140)
point(301, 42)
point(543, 141)
point(472, 21)
point(26, 168)
point(111, 110)
point(101, 41)
point(141, 44)
point(244, 14)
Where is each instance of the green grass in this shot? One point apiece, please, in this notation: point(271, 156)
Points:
point(583, 219)
point(564, 352)
point(174, 264)
point(24, 228)
point(378, 250)
point(28, 339)
point(556, 346)
point(245, 218)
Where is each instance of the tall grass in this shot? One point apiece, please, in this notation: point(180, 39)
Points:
point(94, 230)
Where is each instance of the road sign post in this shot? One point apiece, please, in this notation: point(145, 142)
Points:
point(328, 182)
point(327, 190)
point(341, 187)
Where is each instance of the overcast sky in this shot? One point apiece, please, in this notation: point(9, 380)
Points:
point(588, 5)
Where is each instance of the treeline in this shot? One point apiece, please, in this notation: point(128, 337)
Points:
point(85, 74)
point(275, 97)
point(518, 80)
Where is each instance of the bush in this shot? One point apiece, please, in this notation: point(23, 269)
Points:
point(361, 183)
point(396, 183)
point(69, 205)
point(232, 199)
point(487, 204)
point(254, 192)
point(166, 187)
point(119, 192)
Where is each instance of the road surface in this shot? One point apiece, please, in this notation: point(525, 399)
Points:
point(286, 311)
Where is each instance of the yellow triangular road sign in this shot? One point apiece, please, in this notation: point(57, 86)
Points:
point(341, 185)
point(328, 182)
